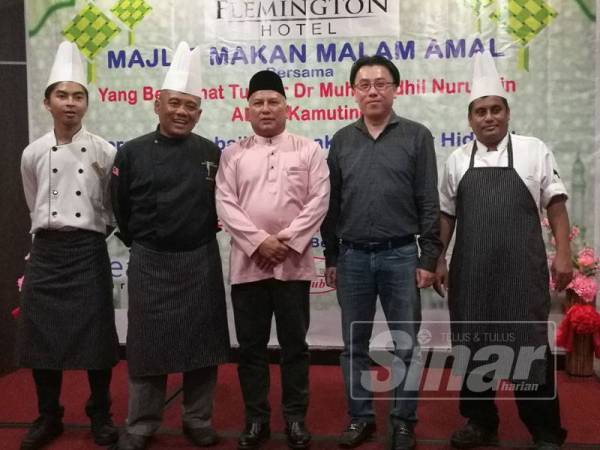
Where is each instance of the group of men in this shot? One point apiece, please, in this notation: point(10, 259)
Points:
point(376, 202)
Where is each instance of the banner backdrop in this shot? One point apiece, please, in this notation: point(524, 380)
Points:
point(544, 50)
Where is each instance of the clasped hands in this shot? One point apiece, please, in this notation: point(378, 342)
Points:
point(271, 252)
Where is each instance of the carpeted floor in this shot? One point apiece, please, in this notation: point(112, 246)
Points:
point(580, 402)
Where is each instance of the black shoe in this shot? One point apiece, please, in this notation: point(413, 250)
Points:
point(356, 434)
point(298, 437)
point(473, 435)
point(253, 435)
point(129, 441)
point(104, 430)
point(543, 445)
point(403, 436)
point(202, 437)
point(42, 431)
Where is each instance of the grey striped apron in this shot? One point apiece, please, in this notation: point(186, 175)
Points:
point(177, 314)
point(67, 319)
point(499, 270)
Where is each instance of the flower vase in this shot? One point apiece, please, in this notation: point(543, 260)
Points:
point(580, 360)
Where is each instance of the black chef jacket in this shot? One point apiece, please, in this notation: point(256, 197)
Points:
point(163, 191)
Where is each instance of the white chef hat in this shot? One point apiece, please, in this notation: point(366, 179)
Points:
point(184, 74)
point(485, 78)
point(68, 65)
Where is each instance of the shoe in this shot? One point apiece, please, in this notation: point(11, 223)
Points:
point(473, 435)
point(128, 441)
point(104, 431)
point(42, 431)
point(403, 436)
point(356, 434)
point(543, 445)
point(298, 437)
point(201, 437)
point(253, 435)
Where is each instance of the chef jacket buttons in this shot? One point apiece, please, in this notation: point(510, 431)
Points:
point(54, 149)
point(77, 214)
point(55, 192)
point(54, 213)
point(54, 170)
point(77, 192)
point(80, 171)
point(83, 149)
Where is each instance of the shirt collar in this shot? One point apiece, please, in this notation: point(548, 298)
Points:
point(77, 136)
point(274, 140)
point(502, 145)
point(158, 136)
point(360, 123)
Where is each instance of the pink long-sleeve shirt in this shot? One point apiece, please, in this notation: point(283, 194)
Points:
point(272, 186)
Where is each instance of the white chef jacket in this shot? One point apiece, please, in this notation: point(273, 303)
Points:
point(532, 160)
point(68, 185)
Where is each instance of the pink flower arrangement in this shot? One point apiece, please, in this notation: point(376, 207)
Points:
point(574, 232)
point(585, 287)
point(587, 262)
point(585, 265)
point(16, 311)
point(20, 282)
point(581, 318)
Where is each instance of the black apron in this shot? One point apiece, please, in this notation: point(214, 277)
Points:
point(177, 314)
point(499, 269)
point(67, 318)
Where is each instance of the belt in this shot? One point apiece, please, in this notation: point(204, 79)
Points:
point(379, 246)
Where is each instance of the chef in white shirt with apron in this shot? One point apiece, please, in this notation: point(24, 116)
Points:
point(67, 316)
point(493, 190)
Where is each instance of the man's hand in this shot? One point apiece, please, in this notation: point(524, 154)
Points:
point(262, 262)
point(562, 266)
point(331, 277)
point(561, 271)
point(441, 277)
point(425, 278)
point(273, 250)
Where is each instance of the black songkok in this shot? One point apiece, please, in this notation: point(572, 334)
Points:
point(265, 80)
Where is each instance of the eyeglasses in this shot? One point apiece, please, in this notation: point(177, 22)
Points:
point(380, 85)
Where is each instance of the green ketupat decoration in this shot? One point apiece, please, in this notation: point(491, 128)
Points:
point(131, 13)
point(91, 30)
point(524, 20)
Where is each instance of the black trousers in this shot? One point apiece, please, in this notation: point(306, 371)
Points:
point(539, 409)
point(254, 305)
point(48, 385)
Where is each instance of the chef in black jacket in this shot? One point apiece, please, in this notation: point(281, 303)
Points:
point(163, 198)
